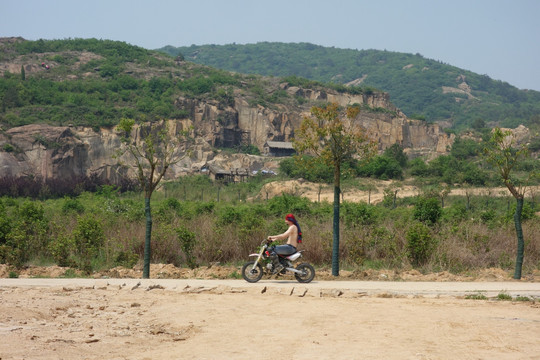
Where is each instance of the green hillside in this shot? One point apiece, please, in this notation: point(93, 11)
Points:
point(421, 87)
point(95, 83)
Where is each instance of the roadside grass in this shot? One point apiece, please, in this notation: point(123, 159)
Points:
point(504, 297)
point(477, 296)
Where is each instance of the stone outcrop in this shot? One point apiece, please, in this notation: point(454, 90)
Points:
point(51, 152)
point(245, 124)
point(58, 152)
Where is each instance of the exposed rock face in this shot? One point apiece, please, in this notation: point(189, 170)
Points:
point(51, 152)
point(58, 152)
point(256, 125)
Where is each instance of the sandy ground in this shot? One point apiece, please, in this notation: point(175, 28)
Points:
point(231, 319)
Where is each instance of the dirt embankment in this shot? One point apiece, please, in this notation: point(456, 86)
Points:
point(216, 271)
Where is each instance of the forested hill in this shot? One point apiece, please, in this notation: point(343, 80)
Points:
point(422, 88)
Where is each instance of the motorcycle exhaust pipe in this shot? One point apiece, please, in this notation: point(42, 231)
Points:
point(294, 270)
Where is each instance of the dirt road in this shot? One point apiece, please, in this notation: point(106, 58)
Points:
point(326, 193)
point(313, 289)
point(231, 319)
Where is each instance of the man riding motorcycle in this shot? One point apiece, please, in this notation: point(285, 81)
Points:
point(293, 236)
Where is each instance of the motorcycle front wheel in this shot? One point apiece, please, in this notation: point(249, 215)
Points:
point(251, 274)
point(308, 273)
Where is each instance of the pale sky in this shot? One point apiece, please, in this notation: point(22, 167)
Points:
point(499, 38)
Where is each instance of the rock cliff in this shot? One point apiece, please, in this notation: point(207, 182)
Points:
point(64, 152)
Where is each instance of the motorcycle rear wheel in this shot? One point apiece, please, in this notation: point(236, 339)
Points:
point(308, 273)
point(252, 276)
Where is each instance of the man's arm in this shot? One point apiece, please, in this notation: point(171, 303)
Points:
point(285, 235)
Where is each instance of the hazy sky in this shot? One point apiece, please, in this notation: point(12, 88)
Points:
point(500, 38)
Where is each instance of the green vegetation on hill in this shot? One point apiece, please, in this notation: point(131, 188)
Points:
point(420, 87)
point(95, 91)
point(97, 82)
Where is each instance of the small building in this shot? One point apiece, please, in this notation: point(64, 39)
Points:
point(227, 176)
point(279, 148)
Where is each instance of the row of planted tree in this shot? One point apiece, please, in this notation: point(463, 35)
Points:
point(96, 231)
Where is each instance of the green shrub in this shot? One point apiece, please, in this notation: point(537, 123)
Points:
point(354, 214)
point(381, 244)
point(188, 241)
point(382, 167)
point(72, 205)
point(396, 152)
point(131, 209)
point(355, 250)
point(455, 213)
point(107, 191)
point(487, 215)
point(206, 207)
point(463, 149)
point(172, 203)
point(427, 210)
point(527, 212)
point(62, 248)
point(251, 226)
point(26, 233)
point(117, 206)
point(166, 209)
point(31, 212)
point(473, 175)
point(229, 215)
point(420, 243)
point(276, 226)
point(12, 255)
point(418, 167)
point(284, 204)
point(88, 238)
point(307, 167)
point(5, 225)
point(126, 259)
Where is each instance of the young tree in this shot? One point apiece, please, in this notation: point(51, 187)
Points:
point(502, 153)
point(152, 149)
point(334, 136)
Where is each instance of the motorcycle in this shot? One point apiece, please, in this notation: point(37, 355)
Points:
point(252, 271)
